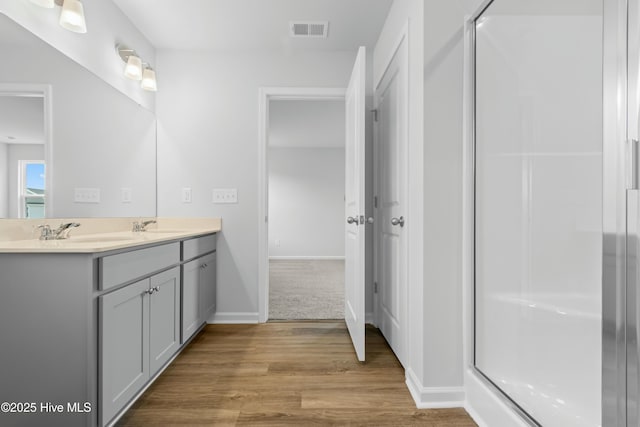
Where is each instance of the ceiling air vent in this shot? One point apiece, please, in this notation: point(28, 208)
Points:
point(309, 28)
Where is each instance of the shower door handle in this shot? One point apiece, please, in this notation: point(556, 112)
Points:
point(633, 164)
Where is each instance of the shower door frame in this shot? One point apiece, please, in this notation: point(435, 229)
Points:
point(616, 172)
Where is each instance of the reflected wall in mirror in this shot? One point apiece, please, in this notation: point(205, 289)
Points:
point(22, 153)
point(99, 138)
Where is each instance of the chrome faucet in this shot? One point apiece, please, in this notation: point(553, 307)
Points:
point(45, 232)
point(60, 233)
point(140, 226)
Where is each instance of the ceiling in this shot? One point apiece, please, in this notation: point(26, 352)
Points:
point(255, 24)
point(306, 124)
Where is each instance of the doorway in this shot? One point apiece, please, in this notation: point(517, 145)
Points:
point(25, 151)
point(306, 181)
point(267, 243)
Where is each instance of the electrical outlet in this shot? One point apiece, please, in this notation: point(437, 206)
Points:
point(86, 195)
point(186, 195)
point(225, 195)
point(277, 243)
point(126, 195)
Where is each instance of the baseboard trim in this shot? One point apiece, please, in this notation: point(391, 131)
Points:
point(304, 258)
point(485, 407)
point(232, 318)
point(433, 397)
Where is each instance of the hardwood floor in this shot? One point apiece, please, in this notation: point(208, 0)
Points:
point(284, 374)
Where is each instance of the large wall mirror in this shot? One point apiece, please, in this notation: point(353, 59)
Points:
point(71, 145)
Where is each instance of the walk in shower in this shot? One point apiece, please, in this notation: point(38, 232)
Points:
point(538, 207)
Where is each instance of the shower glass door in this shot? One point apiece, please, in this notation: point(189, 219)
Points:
point(538, 206)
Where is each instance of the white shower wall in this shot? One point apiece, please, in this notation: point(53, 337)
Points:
point(538, 211)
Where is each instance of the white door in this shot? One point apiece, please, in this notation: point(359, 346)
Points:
point(391, 98)
point(354, 204)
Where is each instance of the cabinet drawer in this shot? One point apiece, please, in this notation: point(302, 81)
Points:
point(200, 245)
point(127, 266)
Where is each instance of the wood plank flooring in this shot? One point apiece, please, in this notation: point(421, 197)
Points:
point(284, 374)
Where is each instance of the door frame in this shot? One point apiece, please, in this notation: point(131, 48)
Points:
point(45, 91)
point(265, 95)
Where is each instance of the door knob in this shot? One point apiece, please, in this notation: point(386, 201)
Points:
point(352, 220)
point(398, 221)
point(370, 220)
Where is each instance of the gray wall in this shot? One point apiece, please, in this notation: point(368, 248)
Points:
point(208, 138)
point(306, 202)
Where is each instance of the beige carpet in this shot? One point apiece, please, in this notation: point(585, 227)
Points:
point(306, 289)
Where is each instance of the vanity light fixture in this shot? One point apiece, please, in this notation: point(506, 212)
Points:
point(71, 16)
point(137, 70)
point(149, 79)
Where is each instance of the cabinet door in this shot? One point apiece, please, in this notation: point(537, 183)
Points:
point(164, 317)
point(191, 318)
point(124, 346)
point(207, 286)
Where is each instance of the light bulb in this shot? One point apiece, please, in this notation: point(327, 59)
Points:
point(133, 69)
point(72, 16)
point(149, 80)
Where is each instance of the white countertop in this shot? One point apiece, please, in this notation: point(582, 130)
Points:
point(101, 242)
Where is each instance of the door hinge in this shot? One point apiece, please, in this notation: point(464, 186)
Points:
point(375, 115)
point(375, 287)
point(375, 201)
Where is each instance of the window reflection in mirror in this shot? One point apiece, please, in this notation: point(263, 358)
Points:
point(32, 189)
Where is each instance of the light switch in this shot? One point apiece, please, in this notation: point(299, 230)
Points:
point(186, 195)
point(225, 195)
point(126, 195)
point(86, 195)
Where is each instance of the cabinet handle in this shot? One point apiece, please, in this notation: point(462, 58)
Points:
point(156, 289)
point(148, 291)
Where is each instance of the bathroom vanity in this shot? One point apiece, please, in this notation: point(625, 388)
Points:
point(89, 322)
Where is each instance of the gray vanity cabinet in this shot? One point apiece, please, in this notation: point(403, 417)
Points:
point(198, 293)
point(208, 286)
point(191, 319)
point(164, 315)
point(140, 333)
point(94, 329)
point(198, 283)
point(124, 346)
